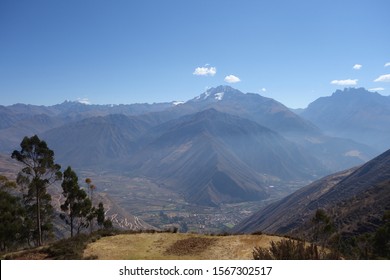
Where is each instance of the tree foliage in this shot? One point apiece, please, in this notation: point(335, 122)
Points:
point(101, 217)
point(288, 249)
point(91, 189)
point(77, 206)
point(38, 173)
point(381, 239)
point(12, 216)
point(323, 227)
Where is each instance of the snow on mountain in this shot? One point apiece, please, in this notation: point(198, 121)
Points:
point(219, 96)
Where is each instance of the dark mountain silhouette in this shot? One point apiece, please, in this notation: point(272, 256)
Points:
point(356, 200)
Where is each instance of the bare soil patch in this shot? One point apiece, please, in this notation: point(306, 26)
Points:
point(190, 246)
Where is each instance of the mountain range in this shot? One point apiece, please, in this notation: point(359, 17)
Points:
point(219, 147)
point(216, 157)
point(353, 113)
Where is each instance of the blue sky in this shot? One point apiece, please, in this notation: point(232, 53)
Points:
point(153, 51)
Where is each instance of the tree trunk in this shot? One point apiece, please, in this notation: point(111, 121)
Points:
point(39, 241)
point(71, 226)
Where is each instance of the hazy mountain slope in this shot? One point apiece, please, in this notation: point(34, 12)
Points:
point(202, 170)
point(19, 120)
point(356, 199)
point(353, 113)
point(12, 135)
point(200, 153)
point(335, 153)
point(95, 142)
point(245, 138)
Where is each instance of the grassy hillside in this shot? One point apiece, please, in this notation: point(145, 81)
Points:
point(166, 246)
point(106, 245)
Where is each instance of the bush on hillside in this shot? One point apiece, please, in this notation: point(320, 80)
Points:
point(287, 249)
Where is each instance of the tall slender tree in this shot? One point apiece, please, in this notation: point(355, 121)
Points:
point(38, 173)
point(91, 189)
point(77, 206)
point(100, 215)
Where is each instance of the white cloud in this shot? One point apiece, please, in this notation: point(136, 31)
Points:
point(348, 82)
point(357, 66)
point(231, 79)
point(205, 71)
point(387, 64)
point(263, 89)
point(83, 101)
point(376, 89)
point(383, 78)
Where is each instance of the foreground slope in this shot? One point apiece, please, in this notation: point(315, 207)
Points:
point(168, 246)
point(356, 199)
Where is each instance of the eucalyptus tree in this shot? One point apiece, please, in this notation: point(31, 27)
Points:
point(39, 172)
point(77, 207)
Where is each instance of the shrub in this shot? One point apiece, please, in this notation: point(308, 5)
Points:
point(69, 249)
point(287, 249)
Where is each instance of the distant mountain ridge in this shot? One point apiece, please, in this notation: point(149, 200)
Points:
point(353, 113)
point(19, 120)
point(266, 111)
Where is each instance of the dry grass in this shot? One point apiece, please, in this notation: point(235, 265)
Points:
point(168, 246)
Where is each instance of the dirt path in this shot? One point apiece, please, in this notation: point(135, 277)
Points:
point(160, 246)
